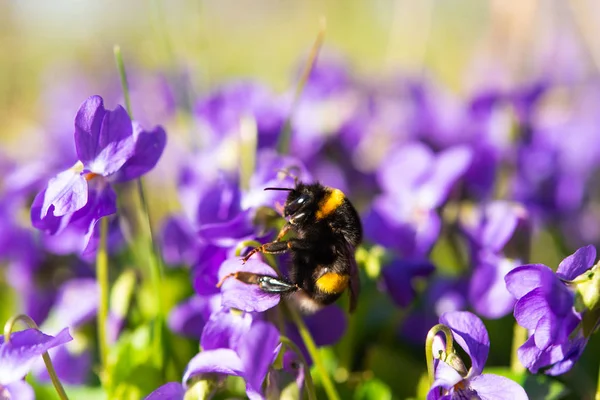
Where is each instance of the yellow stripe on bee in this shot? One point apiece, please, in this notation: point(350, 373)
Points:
point(332, 282)
point(333, 199)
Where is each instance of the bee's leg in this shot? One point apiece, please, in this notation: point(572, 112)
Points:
point(285, 229)
point(278, 247)
point(268, 284)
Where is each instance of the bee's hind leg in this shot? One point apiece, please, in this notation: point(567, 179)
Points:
point(268, 284)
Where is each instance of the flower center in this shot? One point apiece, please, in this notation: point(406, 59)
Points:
point(89, 176)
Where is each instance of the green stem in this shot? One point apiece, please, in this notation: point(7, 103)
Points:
point(102, 278)
point(308, 382)
point(8, 327)
point(123, 76)
point(248, 142)
point(598, 387)
point(284, 141)
point(154, 259)
point(314, 352)
point(429, 346)
point(519, 337)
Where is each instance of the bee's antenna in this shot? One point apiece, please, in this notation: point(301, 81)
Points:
point(288, 189)
point(288, 172)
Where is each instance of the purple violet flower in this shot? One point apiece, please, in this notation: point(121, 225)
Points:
point(18, 356)
point(415, 182)
point(489, 230)
point(470, 333)
point(547, 307)
point(110, 148)
point(231, 345)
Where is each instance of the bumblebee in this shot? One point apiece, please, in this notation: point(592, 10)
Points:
point(327, 229)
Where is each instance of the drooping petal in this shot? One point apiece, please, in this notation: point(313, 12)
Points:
point(49, 224)
point(224, 330)
point(149, 146)
point(246, 297)
point(445, 378)
point(66, 193)
point(257, 352)
point(168, 391)
point(24, 348)
point(471, 335)
point(577, 263)
point(494, 387)
point(218, 361)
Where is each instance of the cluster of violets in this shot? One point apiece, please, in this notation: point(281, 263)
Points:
point(480, 176)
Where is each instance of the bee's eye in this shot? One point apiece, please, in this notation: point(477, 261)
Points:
point(294, 206)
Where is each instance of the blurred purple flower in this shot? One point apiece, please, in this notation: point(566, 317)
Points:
point(18, 356)
point(489, 229)
point(470, 333)
point(415, 181)
point(398, 278)
point(546, 306)
point(110, 148)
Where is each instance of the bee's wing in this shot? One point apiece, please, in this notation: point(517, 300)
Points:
point(354, 276)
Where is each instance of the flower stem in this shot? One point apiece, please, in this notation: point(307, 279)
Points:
point(519, 337)
point(314, 353)
point(284, 141)
point(154, 261)
point(102, 279)
point(429, 346)
point(308, 382)
point(8, 327)
point(598, 387)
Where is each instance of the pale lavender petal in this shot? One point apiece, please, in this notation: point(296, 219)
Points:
point(77, 302)
point(487, 291)
point(471, 335)
point(168, 391)
point(149, 146)
point(67, 192)
point(406, 168)
point(50, 224)
point(449, 166)
point(25, 347)
point(228, 233)
point(525, 278)
point(219, 361)
point(242, 296)
point(494, 387)
point(179, 241)
point(224, 330)
point(577, 263)
point(501, 220)
point(20, 390)
point(445, 378)
point(257, 351)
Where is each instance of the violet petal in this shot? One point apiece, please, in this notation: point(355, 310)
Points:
point(471, 335)
point(168, 391)
point(494, 387)
point(577, 263)
point(218, 361)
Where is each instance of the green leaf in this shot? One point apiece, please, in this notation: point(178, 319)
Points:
point(373, 389)
point(544, 387)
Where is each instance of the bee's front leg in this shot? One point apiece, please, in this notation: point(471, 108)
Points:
point(277, 247)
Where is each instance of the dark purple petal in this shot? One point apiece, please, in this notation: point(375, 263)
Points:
point(494, 387)
point(398, 276)
point(257, 352)
point(219, 361)
point(179, 241)
point(189, 317)
point(50, 224)
point(168, 391)
point(524, 279)
point(531, 308)
point(229, 233)
point(104, 139)
point(67, 193)
point(149, 146)
point(25, 347)
point(577, 263)
point(224, 329)
point(19, 390)
point(471, 335)
point(205, 274)
point(242, 296)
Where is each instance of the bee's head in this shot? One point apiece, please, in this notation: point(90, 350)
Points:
point(300, 203)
